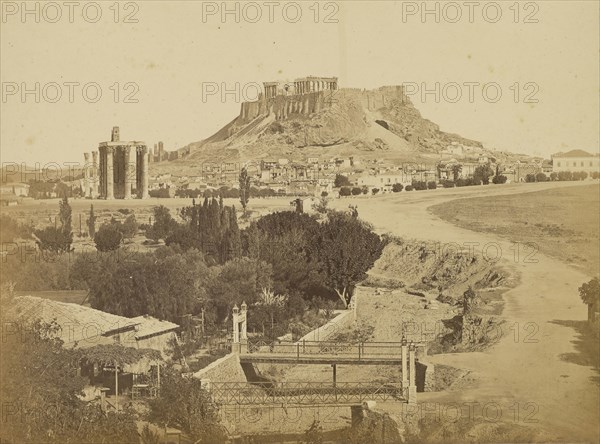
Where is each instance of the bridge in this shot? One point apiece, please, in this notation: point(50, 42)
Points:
point(316, 352)
point(303, 393)
point(322, 352)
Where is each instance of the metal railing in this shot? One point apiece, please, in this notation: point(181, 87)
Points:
point(239, 393)
point(300, 349)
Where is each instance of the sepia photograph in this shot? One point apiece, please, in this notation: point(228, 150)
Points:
point(300, 222)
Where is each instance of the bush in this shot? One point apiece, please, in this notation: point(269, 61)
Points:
point(365, 189)
point(581, 175)
point(356, 191)
point(108, 237)
point(409, 188)
point(595, 175)
point(499, 179)
point(375, 191)
point(431, 185)
point(464, 182)
point(553, 176)
point(397, 187)
point(541, 177)
point(448, 183)
point(565, 175)
point(324, 194)
point(419, 185)
point(530, 178)
point(345, 191)
point(341, 181)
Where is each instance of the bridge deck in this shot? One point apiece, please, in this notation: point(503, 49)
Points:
point(281, 358)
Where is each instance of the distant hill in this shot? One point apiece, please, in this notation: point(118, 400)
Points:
point(368, 124)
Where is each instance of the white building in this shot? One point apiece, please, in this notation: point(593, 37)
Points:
point(575, 161)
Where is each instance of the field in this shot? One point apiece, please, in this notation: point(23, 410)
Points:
point(562, 223)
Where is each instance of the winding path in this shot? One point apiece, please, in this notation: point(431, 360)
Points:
point(527, 368)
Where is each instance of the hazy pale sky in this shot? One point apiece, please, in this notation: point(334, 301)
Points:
point(546, 67)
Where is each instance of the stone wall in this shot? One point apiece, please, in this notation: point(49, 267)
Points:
point(225, 369)
point(284, 106)
point(328, 330)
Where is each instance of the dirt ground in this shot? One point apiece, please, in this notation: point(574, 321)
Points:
point(537, 374)
point(562, 223)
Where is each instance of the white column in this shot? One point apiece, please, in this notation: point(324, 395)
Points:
point(86, 174)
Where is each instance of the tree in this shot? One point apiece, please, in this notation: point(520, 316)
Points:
point(565, 176)
point(409, 188)
point(40, 387)
point(541, 177)
point(345, 191)
point(163, 226)
point(553, 176)
point(482, 174)
point(456, 170)
point(356, 191)
point(590, 292)
point(431, 185)
point(91, 222)
point(375, 191)
point(530, 178)
point(186, 405)
point(397, 187)
point(129, 228)
point(244, 188)
point(499, 179)
point(324, 194)
point(341, 181)
point(108, 238)
point(347, 248)
point(57, 239)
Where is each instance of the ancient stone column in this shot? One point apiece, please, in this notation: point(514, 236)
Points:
point(412, 384)
point(86, 174)
point(144, 173)
point(95, 175)
point(404, 365)
point(127, 170)
point(110, 173)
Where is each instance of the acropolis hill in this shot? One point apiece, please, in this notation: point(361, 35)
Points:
point(314, 117)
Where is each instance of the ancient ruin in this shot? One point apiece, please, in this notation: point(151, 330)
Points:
point(302, 96)
point(122, 171)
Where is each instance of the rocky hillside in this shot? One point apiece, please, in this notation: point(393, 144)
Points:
point(374, 124)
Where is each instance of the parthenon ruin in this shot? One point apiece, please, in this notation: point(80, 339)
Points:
point(303, 96)
point(117, 175)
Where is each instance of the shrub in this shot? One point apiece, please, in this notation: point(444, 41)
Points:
point(409, 188)
point(464, 182)
point(365, 189)
point(499, 179)
point(375, 191)
point(108, 237)
point(541, 177)
point(553, 176)
point(345, 191)
point(581, 175)
point(341, 181)
point(397, 187)
point(530, 178)
point(595, 175)
point(324, 194)
point(431, 185)
point(356, 191)
point(419, 185)
point(565, 175)
point(448, 183)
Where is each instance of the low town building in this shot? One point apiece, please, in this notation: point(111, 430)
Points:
point(575, 161)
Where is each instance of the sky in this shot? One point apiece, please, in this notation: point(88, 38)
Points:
point(521, 77)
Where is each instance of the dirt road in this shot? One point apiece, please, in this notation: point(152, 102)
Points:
point(531, 376)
